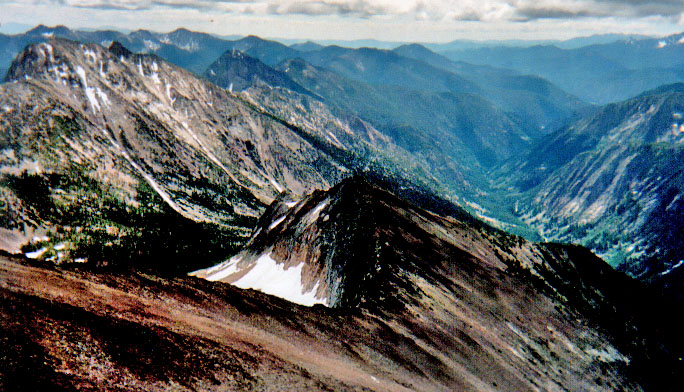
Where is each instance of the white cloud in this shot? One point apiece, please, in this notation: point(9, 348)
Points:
point(478, 10)
point(409, 20)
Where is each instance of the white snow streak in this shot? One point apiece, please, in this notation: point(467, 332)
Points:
point(270, 277)
point(276, 185)
point(319, 208)
point(681, 262)
point(103, 97)
point(155, 78)
point(35, 254)
point(168, 94)
point(146, 176)
point(90, 92)
point(277, 222)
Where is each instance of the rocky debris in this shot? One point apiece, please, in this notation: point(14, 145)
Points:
point(357, 246)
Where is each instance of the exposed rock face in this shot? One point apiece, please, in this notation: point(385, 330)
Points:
point(122, 122)
point(421, 303)
point(359, 246)
point(613, 182)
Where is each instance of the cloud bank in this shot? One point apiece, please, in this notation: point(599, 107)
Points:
point(434, 10)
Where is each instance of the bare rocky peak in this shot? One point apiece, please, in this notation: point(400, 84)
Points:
point(88, 128)
point(119, 93)
point(542, 315)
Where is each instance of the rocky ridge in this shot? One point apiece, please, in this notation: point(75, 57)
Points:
point(128, 123)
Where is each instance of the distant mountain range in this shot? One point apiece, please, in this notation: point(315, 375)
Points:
point(190, 50)
point(342, 181)
point(448, 122)
point(598, 73)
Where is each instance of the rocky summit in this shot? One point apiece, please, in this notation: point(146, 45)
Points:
point(411, 301)
point(88, 130)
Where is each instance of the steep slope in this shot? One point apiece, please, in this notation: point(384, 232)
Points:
point(79, 120)
point(495, 311)
point(422, 303)
point(613, 182)
point(236, 72)
point(418, 120)
point(532, 100)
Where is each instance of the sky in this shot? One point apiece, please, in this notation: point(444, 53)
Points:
point(386, 20)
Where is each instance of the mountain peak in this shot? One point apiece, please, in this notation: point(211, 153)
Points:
point(237, 71)
point(47, 31)
point(119, 50)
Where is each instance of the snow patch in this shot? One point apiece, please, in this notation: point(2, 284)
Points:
point(51, 52)
point(60, 246)
point(319, 208)
point(103, 97)
point(276, 185)
point(168, 93)
point(35, 254)
point(271, 277)
point(291, 203)
point(662, 44)
point(90, 92)
point(151, 45)
point(155, 78)
point(90, 55)
point(277, 222)
point(48, 34)
point(681, 262)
